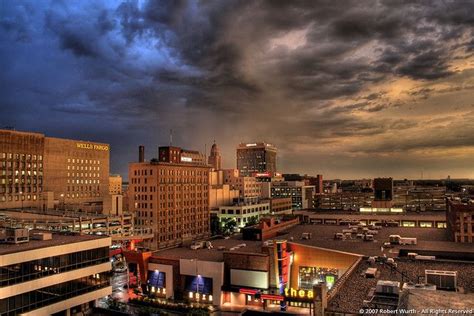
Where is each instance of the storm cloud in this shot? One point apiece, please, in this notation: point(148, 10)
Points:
point(340, 87)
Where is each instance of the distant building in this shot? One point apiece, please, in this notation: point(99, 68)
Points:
point(243, 213)
point(383, 193)
point(171, 196)
point(46, 172)
point(46, 273)
point(247, 186)
point(219, 193)
point(215, 159)
point(253, 158)
point(460, 221)
point(301, 195)
point(115, 184)
point(280, 206)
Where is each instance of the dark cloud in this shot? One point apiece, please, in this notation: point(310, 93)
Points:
point(299, 72)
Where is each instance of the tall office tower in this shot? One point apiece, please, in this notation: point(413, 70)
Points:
point(383, 193)
point(215, 159)
point(171, 196)
point(254, 158)
point(45, 172)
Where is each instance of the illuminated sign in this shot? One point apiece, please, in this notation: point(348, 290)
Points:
point(251, 145)
point(303, 294)
point(187, 159)
point(92, 146)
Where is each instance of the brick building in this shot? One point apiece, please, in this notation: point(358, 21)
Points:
point(171, 196)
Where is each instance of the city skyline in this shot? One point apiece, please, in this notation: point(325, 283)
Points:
point(356, 91)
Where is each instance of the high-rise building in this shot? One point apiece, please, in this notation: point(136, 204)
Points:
point(171, 196)
point(45, 172)
point(215, 159)
point(254, 158)
point(45, 273)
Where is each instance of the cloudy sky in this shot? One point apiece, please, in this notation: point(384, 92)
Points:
point(346, 89)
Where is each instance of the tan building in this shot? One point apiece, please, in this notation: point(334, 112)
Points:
point(281, 206)
point(171, 196)
point(35, 169)
point(247, 186)
point(220, 194)
point(115, 184)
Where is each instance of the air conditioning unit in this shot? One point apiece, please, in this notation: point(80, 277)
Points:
point(445, 280)
point(387, 287)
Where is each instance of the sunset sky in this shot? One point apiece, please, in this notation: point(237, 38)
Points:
point(349, 89)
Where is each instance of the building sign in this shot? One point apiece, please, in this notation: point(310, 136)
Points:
point(187, 159)
point(92, 146)
point(299, 294)
point(251, 145)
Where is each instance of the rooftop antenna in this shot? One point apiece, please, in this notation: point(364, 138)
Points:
point(171, 137)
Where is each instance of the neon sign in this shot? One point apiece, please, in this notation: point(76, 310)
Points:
point(300, 293)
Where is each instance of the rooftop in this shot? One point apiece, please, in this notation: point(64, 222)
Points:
point(323, 237)
point(211, 254)
point(420, 299)
point(428, 216)
point(57, 240)
point(356, 289)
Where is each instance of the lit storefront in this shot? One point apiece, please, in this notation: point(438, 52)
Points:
point(198, 288)
point(157, 283)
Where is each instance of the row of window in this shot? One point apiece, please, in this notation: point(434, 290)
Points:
point(82, 181)
point(10, 198)
point(164, 188)
point(20, 165)
point(244, 211)
point(17, 156)
point(88, 161)
point(30, 180)
point(170, 172)
point(83, 168)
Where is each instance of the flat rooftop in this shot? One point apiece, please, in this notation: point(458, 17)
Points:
point(419, 299)
point(355, 290)
point(348, 215)
point(211, 254)
point(435, 239)
point(57, 240)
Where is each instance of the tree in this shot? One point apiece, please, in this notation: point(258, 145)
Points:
point(228, 225)
point(252, 221)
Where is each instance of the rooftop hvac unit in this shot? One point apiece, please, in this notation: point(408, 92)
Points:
point(14, 235)
point(445, 280)
point(42, 236)
point(387, 287)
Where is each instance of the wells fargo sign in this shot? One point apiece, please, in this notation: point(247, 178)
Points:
point(300, 294)
point(92, 146)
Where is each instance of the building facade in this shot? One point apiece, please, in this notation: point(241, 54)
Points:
point(244, 213)
point(44, 172)
point(54, 273)
point(460, 221)
point(247, 186)
point(301, 195)
point(171, 196)
point(255, 158)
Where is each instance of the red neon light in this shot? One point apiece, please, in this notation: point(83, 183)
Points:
point(248, 291)
point(272, 297)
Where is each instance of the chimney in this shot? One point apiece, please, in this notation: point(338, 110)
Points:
point(141, 153)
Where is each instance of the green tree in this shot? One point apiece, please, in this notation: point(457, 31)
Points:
point(252, 221)
point(228, 225)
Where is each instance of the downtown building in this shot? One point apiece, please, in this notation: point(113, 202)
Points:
point(44, 273)
point(255, 158)
point(45, 172)
point(171, 196)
